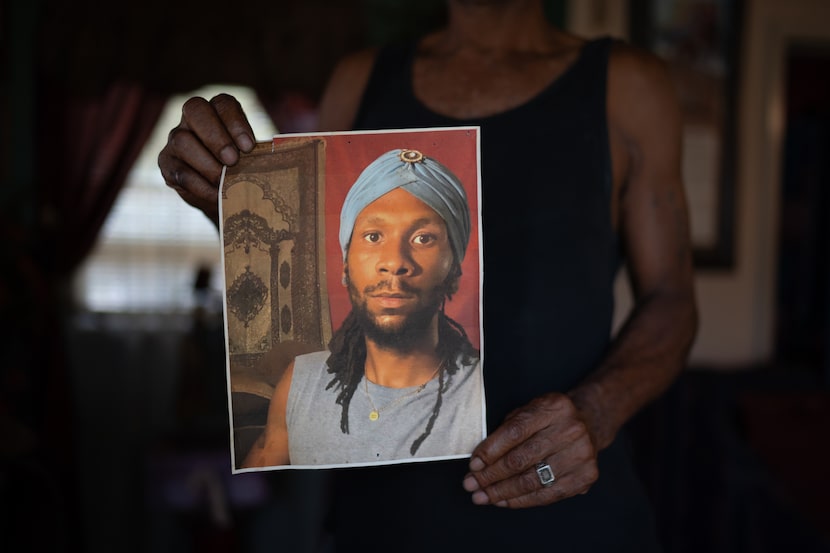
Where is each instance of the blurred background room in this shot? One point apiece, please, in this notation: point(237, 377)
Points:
point(113, 402)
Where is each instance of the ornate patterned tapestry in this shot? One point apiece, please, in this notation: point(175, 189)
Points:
point(274, 258)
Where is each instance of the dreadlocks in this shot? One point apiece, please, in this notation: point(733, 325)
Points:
point(348, 358)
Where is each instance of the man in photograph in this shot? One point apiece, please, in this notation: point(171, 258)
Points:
point(401, 380)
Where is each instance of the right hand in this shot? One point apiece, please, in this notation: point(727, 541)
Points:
point(211, 134)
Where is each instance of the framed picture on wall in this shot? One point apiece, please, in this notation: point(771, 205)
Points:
point(699, 40)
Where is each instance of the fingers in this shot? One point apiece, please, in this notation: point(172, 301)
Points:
point(211, 134)
point(566, 485)
point(220, 125)
point(520, 441)
point(186, 153)
point(503, 467)
point(574, 469)
point(192, 187)
point(197, 186)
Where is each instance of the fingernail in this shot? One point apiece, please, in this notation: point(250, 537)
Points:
point(228, 155)
point(245, 142)
point(476, 464)
point(501, 503)
point(470, 484)
point(480, 498)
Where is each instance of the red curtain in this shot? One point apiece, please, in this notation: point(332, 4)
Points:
point(88, 149)
point(104, 73)
point(86, 144)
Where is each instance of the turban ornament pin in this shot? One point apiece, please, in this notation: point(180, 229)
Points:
point(411, 156)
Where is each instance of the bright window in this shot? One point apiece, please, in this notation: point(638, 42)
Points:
point(153, 243)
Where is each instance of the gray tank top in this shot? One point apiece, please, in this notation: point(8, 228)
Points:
point(313, 418)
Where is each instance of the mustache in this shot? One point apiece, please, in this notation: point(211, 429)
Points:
point(396, 285)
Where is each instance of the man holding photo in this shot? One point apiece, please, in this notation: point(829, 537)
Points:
point(581, 167)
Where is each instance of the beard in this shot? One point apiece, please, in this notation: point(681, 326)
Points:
point(405, 334)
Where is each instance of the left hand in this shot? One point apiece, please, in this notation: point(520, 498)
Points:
point(550, 429)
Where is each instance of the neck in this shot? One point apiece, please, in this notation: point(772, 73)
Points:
point(399, 369)
point(497, 25)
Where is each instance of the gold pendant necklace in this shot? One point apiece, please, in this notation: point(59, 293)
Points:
point(374, 413)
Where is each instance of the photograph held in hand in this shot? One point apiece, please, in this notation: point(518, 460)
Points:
point(352, 291)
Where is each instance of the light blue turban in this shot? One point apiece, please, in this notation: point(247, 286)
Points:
point(424, 178)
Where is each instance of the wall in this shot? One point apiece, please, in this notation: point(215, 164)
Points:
point(737, 306)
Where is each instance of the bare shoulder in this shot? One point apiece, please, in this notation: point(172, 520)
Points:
point(341, 99)
point(282, 388)
point(639, 85)
point(645, 127)
point(629, 63)
point(279, 401)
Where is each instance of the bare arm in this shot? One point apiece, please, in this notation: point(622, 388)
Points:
point(271, 448)
point(567, 430)
point(651, 349)
point(341, 99)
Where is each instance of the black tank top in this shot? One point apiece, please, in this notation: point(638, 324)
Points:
point(550, 257)
point(550, 253)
